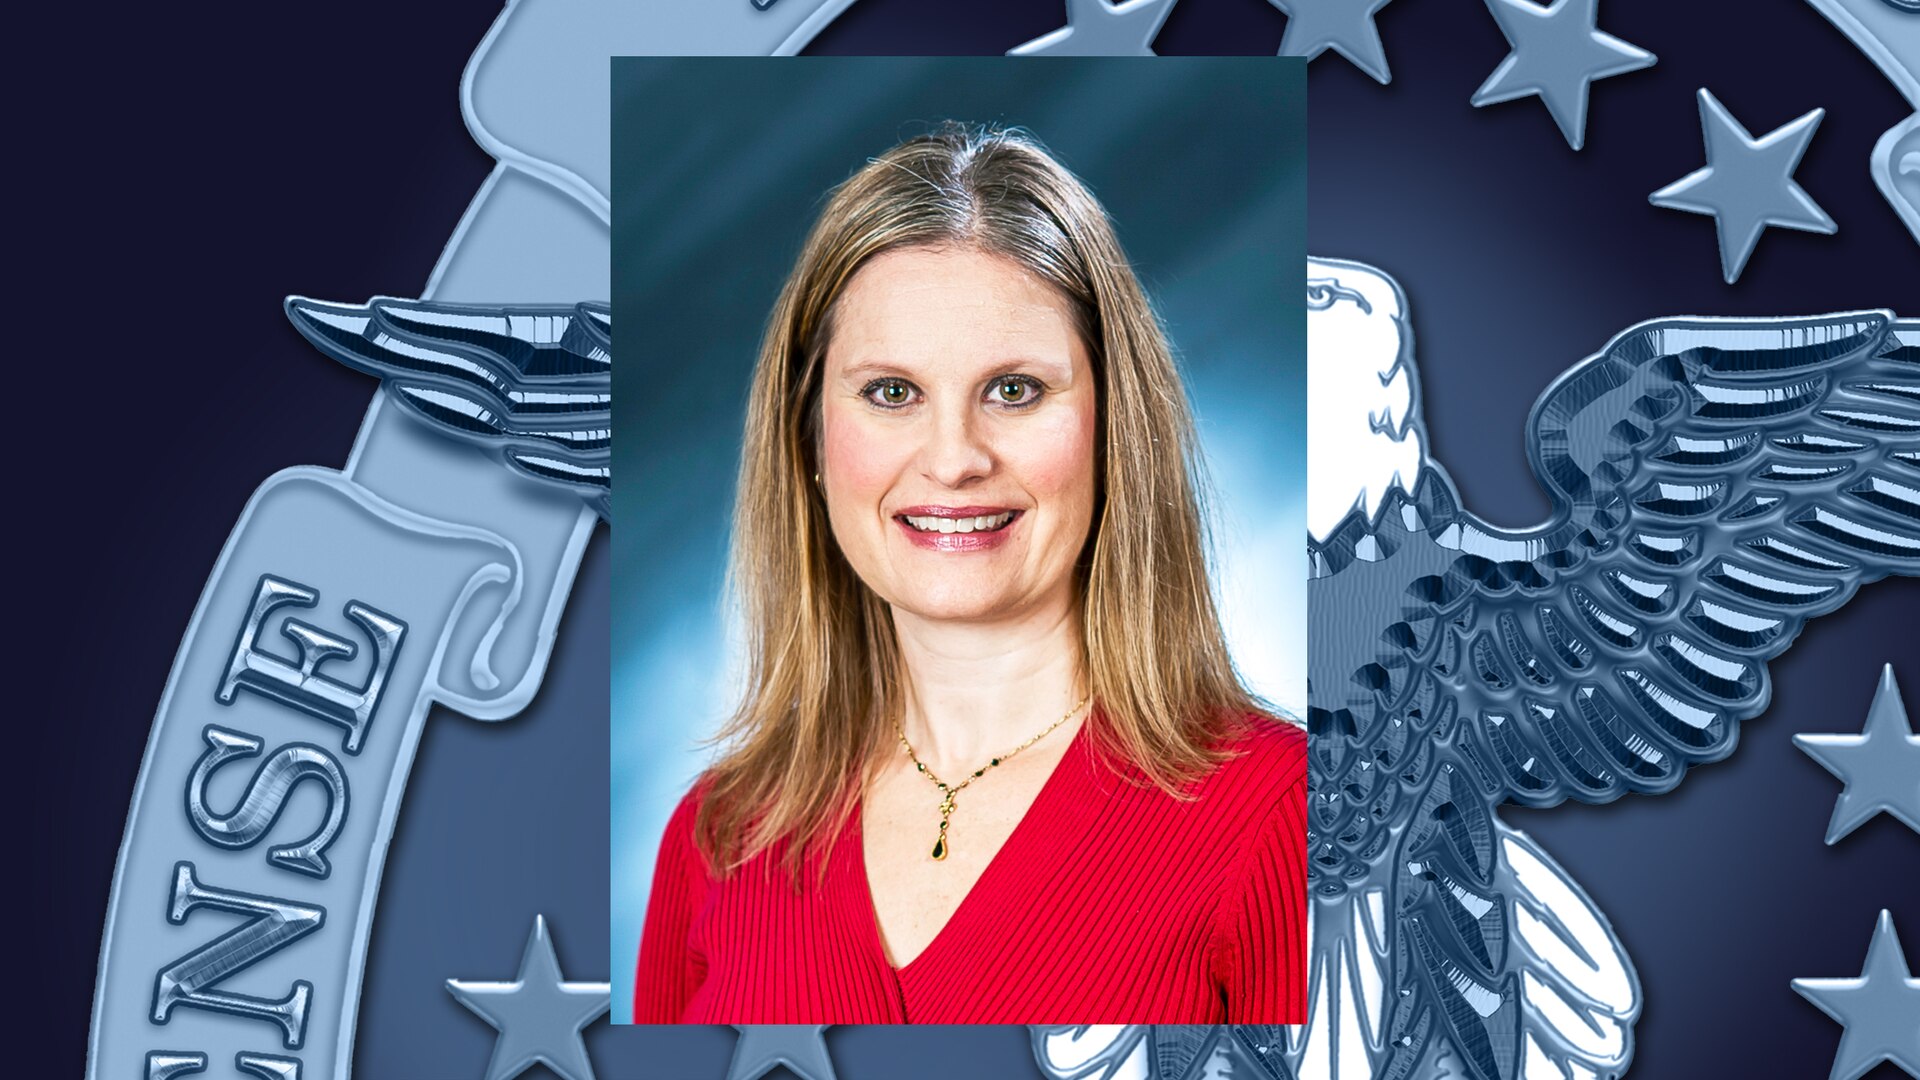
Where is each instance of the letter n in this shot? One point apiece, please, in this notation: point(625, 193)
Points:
point(192, 979)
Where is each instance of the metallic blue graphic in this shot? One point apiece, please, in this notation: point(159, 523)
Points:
point(1880, 1010)
point(1159, 1051)
point(1880, 766)
point(532, 384)
point(267, 794)
point(539, 1013)
point(1716, 483)
point(300, 684)
point(1747, 183)
point(162, 1065)
point(165, 1066)
point(194, 979)
point(1888, 33)
point(1557, 54)
point(1345, 26)
point(308, 536)
point(801, 1049)
point(1102, 28)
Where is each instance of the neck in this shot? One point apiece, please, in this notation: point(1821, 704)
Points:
point(977, 690)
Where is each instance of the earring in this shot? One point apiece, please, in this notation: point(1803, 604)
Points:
point(816, 479)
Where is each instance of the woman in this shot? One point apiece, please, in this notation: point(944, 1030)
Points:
point(993, 764)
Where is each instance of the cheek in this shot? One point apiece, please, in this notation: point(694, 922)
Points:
point(1057, 462)
point(858, 461)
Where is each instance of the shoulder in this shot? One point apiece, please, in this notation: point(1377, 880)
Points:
point(1260, 788)
point(687, 810)
point(1267, 755)
point(1260, 778)
point(679, 843)
point(1259, 802)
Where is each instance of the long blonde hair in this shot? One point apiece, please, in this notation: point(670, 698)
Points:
point(823, 671)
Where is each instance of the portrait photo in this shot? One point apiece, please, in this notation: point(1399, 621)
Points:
point(959, 581)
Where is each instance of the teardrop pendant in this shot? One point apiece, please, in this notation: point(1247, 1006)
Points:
point(940, 847)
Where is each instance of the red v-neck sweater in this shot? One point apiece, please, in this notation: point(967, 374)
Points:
point(1111, 902)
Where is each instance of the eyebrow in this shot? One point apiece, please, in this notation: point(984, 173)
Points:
point(871, 368)
point(868, 369)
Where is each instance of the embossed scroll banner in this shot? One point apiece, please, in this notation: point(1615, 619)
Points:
point(273, 774)
point(432, 569)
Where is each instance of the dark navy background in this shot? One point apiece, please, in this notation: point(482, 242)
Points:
point(184, 168)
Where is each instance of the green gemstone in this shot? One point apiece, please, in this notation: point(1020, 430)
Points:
point(940, 847)
point(995, 761)
point(977, 772)
point(919, 766)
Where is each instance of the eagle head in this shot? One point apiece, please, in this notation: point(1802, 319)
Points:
point(1363, 434)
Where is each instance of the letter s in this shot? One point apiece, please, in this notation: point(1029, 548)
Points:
point(266, 794)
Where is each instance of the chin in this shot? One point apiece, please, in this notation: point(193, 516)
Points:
point(955, 612)
point(953, 601)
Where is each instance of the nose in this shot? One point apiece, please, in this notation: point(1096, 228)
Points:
point(956, 452)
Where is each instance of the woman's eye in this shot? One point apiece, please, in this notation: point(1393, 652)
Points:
point(1015, 392)
point(890, 393)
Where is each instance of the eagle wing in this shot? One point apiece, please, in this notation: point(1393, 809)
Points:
point(531, 384)
point(1716, 484)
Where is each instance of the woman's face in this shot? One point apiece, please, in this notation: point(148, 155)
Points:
point(958, 420)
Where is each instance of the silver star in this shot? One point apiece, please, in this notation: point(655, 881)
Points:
point(1345, 26)
point(799, 1047)
point(1880, 1010)
point(1748, 183)
point(1099, 28)
point(1556, 54)
point(538, 1014)
point(1880, 766)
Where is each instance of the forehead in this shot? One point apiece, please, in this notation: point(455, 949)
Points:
point(923, 305)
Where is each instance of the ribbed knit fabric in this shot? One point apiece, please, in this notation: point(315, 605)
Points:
point(1111, 902)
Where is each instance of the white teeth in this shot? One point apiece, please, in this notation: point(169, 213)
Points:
point(983, 523)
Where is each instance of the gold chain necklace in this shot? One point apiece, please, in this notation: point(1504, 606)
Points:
point(948, 791)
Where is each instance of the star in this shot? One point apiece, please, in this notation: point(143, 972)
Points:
point(1556, 54)
point(1345, 26)
point(1099, 28)
point(1748, 183)
point(799, 1047)
point(1878, 1009)
point(1880, 766)
point(539, 1015)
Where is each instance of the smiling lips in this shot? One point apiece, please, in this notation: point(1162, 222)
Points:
point(956, 528)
